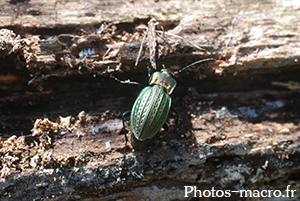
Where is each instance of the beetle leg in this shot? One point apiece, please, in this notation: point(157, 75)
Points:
point(125, 133)
point(149, 70)
point(126, 81)
point(177, 114)
point(166, 128)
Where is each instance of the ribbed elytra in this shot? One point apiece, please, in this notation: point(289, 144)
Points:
point(149, 112)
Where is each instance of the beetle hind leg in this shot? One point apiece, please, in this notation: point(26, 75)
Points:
point(125, 134)
point(177, 115)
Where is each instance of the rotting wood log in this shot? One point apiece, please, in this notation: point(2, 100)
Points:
point(61, 113)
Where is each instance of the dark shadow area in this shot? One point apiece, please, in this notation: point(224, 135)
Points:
point(253, 98)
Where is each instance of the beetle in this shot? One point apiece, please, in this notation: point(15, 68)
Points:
point(151, 108)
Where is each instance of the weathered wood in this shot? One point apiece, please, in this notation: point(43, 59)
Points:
point(239, 114)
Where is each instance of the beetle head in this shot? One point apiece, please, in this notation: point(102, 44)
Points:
point(167, 72)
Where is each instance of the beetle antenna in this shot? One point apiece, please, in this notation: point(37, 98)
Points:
point(196, 62)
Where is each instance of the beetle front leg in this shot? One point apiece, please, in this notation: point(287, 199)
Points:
point(149, 70)
point(126, 81)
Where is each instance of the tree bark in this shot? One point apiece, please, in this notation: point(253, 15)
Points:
point(61, 113)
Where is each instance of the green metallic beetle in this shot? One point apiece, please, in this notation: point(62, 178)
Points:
point(152, 106)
